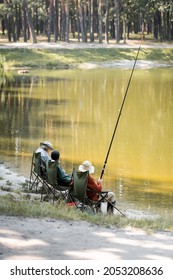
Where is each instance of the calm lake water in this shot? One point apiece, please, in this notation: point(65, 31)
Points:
point(77, 110)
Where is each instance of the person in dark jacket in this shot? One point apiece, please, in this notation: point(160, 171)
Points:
point(63, 178)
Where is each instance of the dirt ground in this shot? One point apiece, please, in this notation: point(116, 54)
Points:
point(46, 239)
point(50, 239)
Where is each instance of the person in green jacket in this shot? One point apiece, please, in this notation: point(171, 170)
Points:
point(62, 178)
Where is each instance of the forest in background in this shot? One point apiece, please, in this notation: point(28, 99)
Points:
point(86, 20)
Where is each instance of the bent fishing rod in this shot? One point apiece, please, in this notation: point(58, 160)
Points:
point(119, 115)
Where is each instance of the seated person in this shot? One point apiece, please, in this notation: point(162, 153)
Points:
point(45, 150)
point(96, 186)
point(62, 178)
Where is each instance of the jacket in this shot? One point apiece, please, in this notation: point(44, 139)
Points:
point(44, 158)
point(95, 187)
point(63, 178)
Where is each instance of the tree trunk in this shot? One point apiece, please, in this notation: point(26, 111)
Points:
point(117, 24)
point(30, 22)
point(3, 26)
point(81, 20)
point(124, 30)
point(85, 20)
point(161, 27)
point(91, 20)
point(24, 22)
point(55, 19)
point(50, 20)
point(73, 20)
point(100, 20)
point(156, 24)
point(78, 23)
point(129, 29)
point(67, 21)
point(8, 22)
point(107, 21)
point(63, 21)
point(13, 29)
point(18, 21)
point(143, 28)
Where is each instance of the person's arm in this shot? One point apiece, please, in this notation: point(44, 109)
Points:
point(96, 187)
point(62, 176)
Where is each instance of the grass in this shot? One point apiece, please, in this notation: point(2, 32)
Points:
point(26, 206)
point(20, 202)
point(4, 64)
point(49, 58)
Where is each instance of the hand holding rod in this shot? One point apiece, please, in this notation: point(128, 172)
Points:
point(120, 111)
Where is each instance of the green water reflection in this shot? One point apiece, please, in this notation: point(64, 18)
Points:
point(77, 110)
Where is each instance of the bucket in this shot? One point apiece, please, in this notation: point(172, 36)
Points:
point(103, 207)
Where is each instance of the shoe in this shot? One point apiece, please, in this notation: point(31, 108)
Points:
point(110, 208)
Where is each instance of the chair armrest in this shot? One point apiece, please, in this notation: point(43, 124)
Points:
point(102, 192)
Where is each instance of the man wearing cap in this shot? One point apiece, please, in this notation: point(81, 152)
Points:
point(96, 186)
point(45, 150)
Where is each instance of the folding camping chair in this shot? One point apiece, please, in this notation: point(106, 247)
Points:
point(54, 188)
point(37, 180)
point(78, 194)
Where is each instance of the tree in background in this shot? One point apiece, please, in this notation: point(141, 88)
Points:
point(60, 20)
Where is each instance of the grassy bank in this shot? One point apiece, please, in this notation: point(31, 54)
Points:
point(17, 200)
point(25, 206)
point(46, 58)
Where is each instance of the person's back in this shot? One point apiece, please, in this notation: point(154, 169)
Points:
point(44, 149)
point(96, 187)
point(62, 178)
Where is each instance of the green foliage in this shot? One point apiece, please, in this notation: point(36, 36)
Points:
point(2, 61)
point(135, 12)
point(4, 64)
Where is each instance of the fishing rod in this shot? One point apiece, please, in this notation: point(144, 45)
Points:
point(119, 115)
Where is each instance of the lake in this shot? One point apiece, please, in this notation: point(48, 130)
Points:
point(76, 110)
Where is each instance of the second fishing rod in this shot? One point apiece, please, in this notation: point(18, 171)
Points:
point(119, 115)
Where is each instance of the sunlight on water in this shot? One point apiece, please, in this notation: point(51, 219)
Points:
point(77, 111)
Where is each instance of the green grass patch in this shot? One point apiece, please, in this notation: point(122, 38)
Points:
point(5, 65)
point(9, 205)
point(165, 55)
point(56, 58)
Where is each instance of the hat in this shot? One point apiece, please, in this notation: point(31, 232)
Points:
point(86, 166)
point(55, 155)
point(48, 144)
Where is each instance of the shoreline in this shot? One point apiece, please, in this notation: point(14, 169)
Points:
point(116, 63)
point(124, 64)
point(10, 178)
point(29, 238)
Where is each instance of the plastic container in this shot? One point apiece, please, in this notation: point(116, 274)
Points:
point(103, 207)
